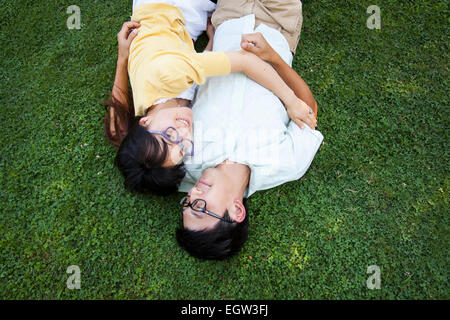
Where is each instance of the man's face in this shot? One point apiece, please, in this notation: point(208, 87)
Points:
point(211, 188)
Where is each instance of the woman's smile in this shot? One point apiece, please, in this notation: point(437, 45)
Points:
point(185, 121)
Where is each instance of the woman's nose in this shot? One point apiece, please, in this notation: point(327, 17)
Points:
point(184, 132)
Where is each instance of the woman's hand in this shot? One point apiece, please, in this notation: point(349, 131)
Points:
point(124, 37)
point(297, 109)
point(299, 112)
point(257, 44)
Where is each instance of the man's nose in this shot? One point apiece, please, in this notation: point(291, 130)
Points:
point(195, 193)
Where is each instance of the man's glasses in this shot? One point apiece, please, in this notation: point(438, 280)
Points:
point(172, 135)
point(199, 205)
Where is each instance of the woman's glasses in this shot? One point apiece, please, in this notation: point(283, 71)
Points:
point(172, 135)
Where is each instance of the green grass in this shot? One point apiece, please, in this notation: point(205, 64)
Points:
point(377, 192)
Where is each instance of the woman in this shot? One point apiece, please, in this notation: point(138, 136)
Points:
point(163, 66)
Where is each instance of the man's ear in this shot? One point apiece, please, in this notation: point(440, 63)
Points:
point(238, 211)
point(144, 121)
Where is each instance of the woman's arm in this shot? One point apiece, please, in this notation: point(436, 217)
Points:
point(254, 68)
point(120, 86)
point(117, 119)
point(257, 44)
point(265, 75)
point(261, 72)
point(124, 38)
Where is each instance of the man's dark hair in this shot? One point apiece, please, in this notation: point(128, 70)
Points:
point(140, 158)
point(223, 241)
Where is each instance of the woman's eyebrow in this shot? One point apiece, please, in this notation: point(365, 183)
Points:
point(169, 145)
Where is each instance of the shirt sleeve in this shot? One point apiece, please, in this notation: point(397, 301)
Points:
point(212, 64)
point(303, 145)
point(291, 159)
point(175, 72)
point(170, 74)
point(300, 146)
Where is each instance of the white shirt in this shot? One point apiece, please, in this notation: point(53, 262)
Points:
point(237, 119)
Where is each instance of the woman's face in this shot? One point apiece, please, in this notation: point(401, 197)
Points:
point(177, 117)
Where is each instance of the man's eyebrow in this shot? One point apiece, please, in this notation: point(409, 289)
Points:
point(192, 212)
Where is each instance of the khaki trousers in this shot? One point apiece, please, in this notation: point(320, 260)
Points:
point(282, 15)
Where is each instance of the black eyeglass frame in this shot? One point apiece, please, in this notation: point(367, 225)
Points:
point(186, 203)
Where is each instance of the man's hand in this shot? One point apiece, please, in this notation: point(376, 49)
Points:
point(210, 30)
point(299, 112)
point(124, 37)
point(257, 44)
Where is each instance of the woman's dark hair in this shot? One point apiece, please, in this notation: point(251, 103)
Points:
point(140, 156)
point(223, 241)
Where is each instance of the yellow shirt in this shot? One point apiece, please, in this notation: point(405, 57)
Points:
point(163, 62)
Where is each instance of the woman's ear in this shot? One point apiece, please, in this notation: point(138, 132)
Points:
point(238, 211)
point(144, 121)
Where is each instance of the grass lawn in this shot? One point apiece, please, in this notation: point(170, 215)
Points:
point(377, 192)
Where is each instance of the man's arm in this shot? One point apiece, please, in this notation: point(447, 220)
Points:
point(210, 30)
point(257, 44)
point(295, 82)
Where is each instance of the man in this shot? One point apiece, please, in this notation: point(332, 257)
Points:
point(245, 141)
